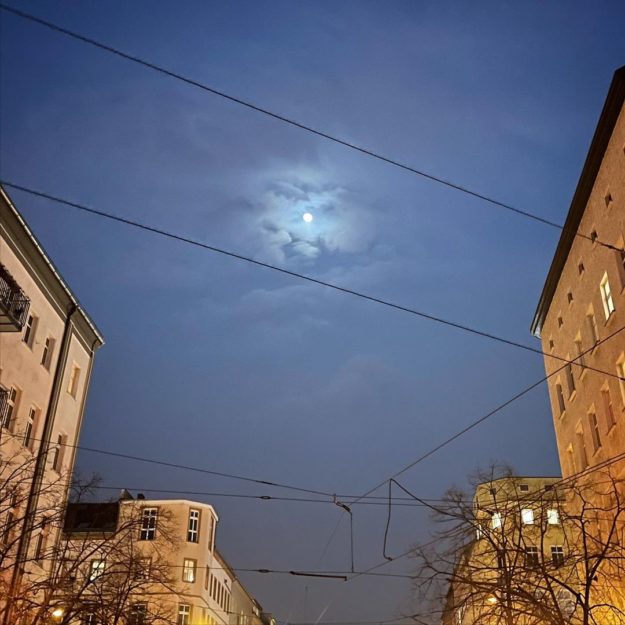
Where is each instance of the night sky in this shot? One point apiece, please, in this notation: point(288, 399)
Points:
point(218, 364)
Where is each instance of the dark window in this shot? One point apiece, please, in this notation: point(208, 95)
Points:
point(532, 557)
point(149, 517)
point(557, 555)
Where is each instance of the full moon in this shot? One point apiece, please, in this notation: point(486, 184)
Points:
point(307, 217)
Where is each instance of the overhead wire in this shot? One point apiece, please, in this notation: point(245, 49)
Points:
point(291, 122)
point(295, 274)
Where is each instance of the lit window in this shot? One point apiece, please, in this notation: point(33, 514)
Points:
point(74, 378)
point(608, 408)
point(495, 520)
point(30, 329)
point(193, 530)
point(553, 518)
point(149, 517)
point(188, 570)
point(557, 555)
point(46, 356)
point(606, 296)
point(594, 430)
point(29, 431)
point(532, 557)
point(527, 516)
point(97, 569)
point(184, 614)
point(11, 410)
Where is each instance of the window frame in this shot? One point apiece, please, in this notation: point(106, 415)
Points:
point(189, 570)
point(527, 516)
point(606, 296)
point(149, 523)
point(193, 525)
point(557, 555)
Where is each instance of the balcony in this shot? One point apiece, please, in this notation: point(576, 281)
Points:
point(13, 303)
point(4, 406)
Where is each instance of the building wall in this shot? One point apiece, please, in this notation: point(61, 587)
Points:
point(578, 294)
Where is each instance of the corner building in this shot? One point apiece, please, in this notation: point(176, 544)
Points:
point(47, 348)
point(581, 312)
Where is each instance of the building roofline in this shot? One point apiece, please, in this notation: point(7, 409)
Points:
point(48, 261)
point(603, 132)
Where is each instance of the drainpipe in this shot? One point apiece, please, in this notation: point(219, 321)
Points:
point(40, 465)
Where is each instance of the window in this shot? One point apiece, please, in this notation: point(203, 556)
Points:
point(184, 614)
point(11, 413)
point(591, 321)
point(527, 516)
point(193, 531)
point(211, 532)
point(188, 570)
point(569, 297)
point(570, 460)
point(581, 449)
point(606, 296)
point(495, 520)
point(29, 330)
point(607, 199)
point(560, 397)
point(553, 518)
point(581, 357)
point(594, 235)
point(524, 488)
point(41, 540)
point(532, 557)
point(621, 263)
point(560, 321)
point(570, 380)
point(206, 577)
point(57, 453)
point(46, 356)
point(620, 370)
point(137, 614)
point(149, 517)
point(74, 378)
point(594, 430)
point(7, 532)
point(557, 555)
point(97, 569)
point(29, 432)
point(608, 409)
point(142, 568)
point(580, 267)
point(551, 344)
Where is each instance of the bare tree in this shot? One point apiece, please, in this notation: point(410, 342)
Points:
point(552, 554)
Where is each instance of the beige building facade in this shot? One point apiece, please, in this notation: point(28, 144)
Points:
point(47, 348)
point(581, 312)
point(158, 556)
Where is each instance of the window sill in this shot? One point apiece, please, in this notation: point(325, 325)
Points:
point(609, 320)
point(573, 395)
point(612, 428)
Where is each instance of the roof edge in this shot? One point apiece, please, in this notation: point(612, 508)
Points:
point(602, 135)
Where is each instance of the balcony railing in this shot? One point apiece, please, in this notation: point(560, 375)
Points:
point(13, 303)
point(4, 406)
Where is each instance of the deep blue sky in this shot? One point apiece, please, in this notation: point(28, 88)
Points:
point(215, 363)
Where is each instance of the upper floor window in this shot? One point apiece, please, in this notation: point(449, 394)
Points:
point(184, 614)
point(188, 570)
point(138, 614)
point(557, 555)
point(30, 329)
point(97, 569)
point(620, 370)
point(591, 322)
point(532, 557)
point(13, 401)
point(568, 369)
point(524, 488)
point(211, 531)
point(606, 296)
point(527, 516)
point(560, 398)
point(46, 356)
point(581, 448)
point(594, 430)
point(74, 378)
point(31, 428)
point(608, 199)
point(193, 529)
point(607, 407)
point(495, 520)
point(149, 516)
point(579, 348)
point(553, 518)
point(58, 453)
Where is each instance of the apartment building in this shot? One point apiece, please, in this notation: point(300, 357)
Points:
point(148, 561)
point(582, 306)
point(47, 348)
point(518, 543)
